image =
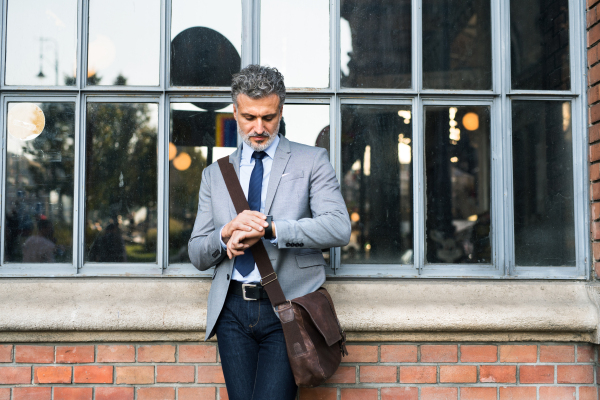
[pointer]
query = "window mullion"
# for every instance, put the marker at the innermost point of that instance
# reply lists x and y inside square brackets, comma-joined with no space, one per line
[417,45]
[80,181]
[419,188]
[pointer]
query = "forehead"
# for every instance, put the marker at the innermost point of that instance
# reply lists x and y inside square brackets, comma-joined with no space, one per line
[263,106]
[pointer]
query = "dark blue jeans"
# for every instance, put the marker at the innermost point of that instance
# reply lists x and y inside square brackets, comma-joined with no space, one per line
[253,354]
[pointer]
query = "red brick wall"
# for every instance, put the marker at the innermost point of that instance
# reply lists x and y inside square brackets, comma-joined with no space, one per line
[372,371]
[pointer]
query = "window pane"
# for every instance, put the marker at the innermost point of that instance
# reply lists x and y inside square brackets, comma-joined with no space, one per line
[457,44]
[457,169]
[120,182]
[39,182]
[543,183]
[124,42]
[539,36]
[41,44]
[375,41]
[307,124]
[295,39]
[377,183]
[206,42]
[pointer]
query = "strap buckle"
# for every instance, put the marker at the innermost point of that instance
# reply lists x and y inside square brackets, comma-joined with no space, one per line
[272,280]
[244,286]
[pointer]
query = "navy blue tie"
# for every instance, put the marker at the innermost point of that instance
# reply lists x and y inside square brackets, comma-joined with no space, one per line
[245,263]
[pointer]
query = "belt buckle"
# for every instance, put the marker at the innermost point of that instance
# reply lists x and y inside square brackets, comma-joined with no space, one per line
[244,286]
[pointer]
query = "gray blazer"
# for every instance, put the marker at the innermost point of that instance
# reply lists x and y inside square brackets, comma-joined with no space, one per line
[309,213]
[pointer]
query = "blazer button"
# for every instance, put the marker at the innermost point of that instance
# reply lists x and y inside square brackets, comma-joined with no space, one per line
[227,276]
[301,244]
[288,245]
[216,253]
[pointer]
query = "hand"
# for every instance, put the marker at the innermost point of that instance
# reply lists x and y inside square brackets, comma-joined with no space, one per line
[242,240]
[246,221]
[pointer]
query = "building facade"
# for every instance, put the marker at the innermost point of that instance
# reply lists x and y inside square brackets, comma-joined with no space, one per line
[465,136]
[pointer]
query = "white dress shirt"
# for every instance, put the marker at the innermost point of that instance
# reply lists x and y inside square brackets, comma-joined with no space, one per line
[246,167]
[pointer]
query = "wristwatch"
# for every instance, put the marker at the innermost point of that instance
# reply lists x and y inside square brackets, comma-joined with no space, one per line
[269,229]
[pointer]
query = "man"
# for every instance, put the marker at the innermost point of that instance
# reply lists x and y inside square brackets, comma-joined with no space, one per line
[296,185]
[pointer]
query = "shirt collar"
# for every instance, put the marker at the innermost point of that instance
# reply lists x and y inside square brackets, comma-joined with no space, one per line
[247,150]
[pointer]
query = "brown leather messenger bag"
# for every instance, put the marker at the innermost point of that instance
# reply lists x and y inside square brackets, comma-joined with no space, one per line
[314,338]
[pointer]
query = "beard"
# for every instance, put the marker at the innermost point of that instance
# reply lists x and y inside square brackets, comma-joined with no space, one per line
[259,147]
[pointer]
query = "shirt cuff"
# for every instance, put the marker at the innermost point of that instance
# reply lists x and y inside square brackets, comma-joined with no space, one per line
[274,241]
[223,245]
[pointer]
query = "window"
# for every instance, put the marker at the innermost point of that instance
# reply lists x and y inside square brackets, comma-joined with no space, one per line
[457,129]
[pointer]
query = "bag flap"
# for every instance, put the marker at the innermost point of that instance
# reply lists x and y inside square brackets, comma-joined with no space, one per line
[319,309]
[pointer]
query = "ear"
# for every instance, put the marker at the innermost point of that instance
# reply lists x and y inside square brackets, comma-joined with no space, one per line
[234,111]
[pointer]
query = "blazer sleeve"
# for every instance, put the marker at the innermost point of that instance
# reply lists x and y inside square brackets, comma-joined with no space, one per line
[330,223]
[204,247]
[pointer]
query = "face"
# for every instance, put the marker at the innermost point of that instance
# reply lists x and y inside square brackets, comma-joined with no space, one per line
[258,120]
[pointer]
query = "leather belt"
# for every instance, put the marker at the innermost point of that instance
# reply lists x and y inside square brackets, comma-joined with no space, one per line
[249,291]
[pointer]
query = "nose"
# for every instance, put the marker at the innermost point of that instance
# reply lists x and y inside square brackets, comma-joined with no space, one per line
[260,128]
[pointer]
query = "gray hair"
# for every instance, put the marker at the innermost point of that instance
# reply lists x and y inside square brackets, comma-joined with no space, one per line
[257,82]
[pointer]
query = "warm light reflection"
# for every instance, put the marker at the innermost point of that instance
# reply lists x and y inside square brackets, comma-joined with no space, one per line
[471,121]
[367,160]
[355,217]
[473,218]
[172,151]
[454,159]
[25,121]
[566,114]
[406,115]
[404,150]
[454,131]
[182,161]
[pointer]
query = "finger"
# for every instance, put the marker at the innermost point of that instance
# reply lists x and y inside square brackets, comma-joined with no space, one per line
[257,214]
[229,254]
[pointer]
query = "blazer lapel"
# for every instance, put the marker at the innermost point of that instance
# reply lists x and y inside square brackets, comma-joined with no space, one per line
[234,158]
[282,156]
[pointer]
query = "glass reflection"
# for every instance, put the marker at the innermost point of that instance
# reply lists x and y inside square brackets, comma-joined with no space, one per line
[307,124]
[200,133]
[375,41]
[39,183]
[124,42]
[457,169]
[543,183]
[539,37]
[41,46]
[377,183]
[457,44]
[121,182]
[298,46]
[206,42]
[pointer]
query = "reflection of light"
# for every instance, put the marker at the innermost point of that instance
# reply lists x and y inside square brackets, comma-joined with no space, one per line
[472,218]
[172,151]
[25,121]
[471,121]
[101,53]
[406,115]
[355,217]
[368,161]
[368,246]
[454,159]
[454,132]
[356,166]
[566,114]
[182,161]
[404,150]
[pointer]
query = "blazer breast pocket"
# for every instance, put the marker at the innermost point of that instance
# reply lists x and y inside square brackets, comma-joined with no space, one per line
[310,260]
[290,176]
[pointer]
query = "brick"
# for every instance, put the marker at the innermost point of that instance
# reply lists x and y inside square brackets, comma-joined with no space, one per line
[478,393]
[595,175]
[135,375]
[399,353]
[594,117]
[588,393]
[558,353]
[343,375]
[591,17]
[359,394]
[74,354]
[593,35]
[597,269]
[31,393]
[6,353]
[400,393]
[363,354]
[439,353]
[518,393]
[498,373]
[5,394]
[594,75]
[595,209]
[116,353]
[420,374]
[596,250]
[116,393]
[458,373]
[197,353]
[596,230]
[71,393]
[379,374]
[595,191]
[592,56]
[594,133]
[34,354]
[156,353]
[557,393]
[93,374]
[175,374]
[223,394]
[475,353]
[156,393]
[439,393]
[203,393]
[594,91]
[586,353]
[15,375]
[518,353]
[536,374]
[52,374]
[210,374]
[319,393]
[575,374]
